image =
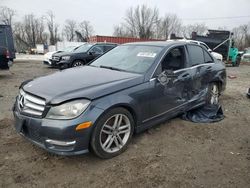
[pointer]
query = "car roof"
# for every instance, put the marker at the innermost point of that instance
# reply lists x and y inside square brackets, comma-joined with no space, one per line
[157,43]
[103,43]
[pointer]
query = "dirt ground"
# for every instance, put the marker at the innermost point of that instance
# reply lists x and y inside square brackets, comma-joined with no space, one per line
[176,153]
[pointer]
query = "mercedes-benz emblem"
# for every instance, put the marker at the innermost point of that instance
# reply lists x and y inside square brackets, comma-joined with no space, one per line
[21,101]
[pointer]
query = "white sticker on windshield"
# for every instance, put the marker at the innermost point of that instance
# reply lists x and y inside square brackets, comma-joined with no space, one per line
[146,54]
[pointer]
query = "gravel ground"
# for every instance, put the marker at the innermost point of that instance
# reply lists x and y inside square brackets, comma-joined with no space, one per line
[176,153]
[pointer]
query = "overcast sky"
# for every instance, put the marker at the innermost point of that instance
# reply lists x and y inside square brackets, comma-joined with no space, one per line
[104,14]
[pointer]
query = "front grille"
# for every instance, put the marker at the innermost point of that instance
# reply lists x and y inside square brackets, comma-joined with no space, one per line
[30,104]
[55,58]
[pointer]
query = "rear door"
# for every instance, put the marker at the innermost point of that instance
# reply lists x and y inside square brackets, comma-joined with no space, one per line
[201,64]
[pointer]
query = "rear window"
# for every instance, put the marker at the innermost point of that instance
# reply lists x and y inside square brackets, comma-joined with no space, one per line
[207,57]
[109,47]
[205,46]
[196,55]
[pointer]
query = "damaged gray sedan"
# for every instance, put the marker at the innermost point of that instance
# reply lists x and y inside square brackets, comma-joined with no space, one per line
[100,106]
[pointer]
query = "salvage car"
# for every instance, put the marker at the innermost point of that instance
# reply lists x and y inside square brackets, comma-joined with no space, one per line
[129,89]
[80,56]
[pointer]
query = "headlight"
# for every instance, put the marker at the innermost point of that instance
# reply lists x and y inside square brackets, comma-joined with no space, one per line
[68,110]
[65,57]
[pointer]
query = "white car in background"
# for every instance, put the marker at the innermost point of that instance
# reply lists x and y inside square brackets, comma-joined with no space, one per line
[246,55]
[214,54]
[48,56]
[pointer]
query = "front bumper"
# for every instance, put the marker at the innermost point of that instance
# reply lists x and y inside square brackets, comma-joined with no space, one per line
[57,136]
[60,64]
[47,62]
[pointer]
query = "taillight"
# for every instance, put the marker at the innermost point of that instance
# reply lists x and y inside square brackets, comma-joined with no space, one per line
[7,54]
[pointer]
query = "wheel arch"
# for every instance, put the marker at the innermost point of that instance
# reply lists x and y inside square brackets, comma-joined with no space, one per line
[128,107]
[219,84]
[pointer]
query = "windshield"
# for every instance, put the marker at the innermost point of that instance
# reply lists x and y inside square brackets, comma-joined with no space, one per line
[129,58]
[83,48]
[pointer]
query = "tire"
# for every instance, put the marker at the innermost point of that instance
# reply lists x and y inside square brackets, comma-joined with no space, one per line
[213,94]
[77,63]
[238,62]
[110,139]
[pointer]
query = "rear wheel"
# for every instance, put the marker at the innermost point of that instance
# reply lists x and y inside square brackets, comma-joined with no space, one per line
[213,94]
[238,62]
[112,133]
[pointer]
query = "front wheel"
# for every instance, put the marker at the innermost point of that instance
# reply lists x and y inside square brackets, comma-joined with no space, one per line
[112,133]
[213,94]
[77,63]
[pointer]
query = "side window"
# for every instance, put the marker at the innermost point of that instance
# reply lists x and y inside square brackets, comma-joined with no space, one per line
[109,47]
[97,50]
[174,60]
[207,57]
[196,55]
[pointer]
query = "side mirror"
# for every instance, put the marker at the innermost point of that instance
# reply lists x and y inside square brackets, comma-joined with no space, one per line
[91,53]
[209,50]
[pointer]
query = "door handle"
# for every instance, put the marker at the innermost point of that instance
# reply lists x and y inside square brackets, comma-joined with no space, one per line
[185,75]
[182,77]
[209,69]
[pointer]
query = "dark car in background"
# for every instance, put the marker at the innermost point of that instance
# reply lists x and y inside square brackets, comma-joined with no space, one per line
[128,89]
[48,55]
[81,55]
[7,50]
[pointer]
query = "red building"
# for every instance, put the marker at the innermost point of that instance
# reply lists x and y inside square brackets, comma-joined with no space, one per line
[118,40]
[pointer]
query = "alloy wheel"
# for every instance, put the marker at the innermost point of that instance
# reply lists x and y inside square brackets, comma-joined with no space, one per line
[115,133]
[77,64]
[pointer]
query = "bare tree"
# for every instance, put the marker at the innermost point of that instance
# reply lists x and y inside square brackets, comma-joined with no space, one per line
[242,36]
[199,28]
[141,21]
[85,31]
[169,24]
[29,32]
[19,35]
[6,15]
[121,31]
[69,29]
[52,27]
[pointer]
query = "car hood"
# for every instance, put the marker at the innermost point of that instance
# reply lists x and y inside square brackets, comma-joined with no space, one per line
[49,54]
[81,82]
[60,54]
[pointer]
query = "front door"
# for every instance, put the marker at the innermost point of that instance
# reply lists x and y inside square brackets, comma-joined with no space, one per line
[94,52]
[170,96]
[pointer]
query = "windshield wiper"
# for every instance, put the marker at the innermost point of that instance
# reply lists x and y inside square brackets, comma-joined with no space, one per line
[112,68]
[91,65]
